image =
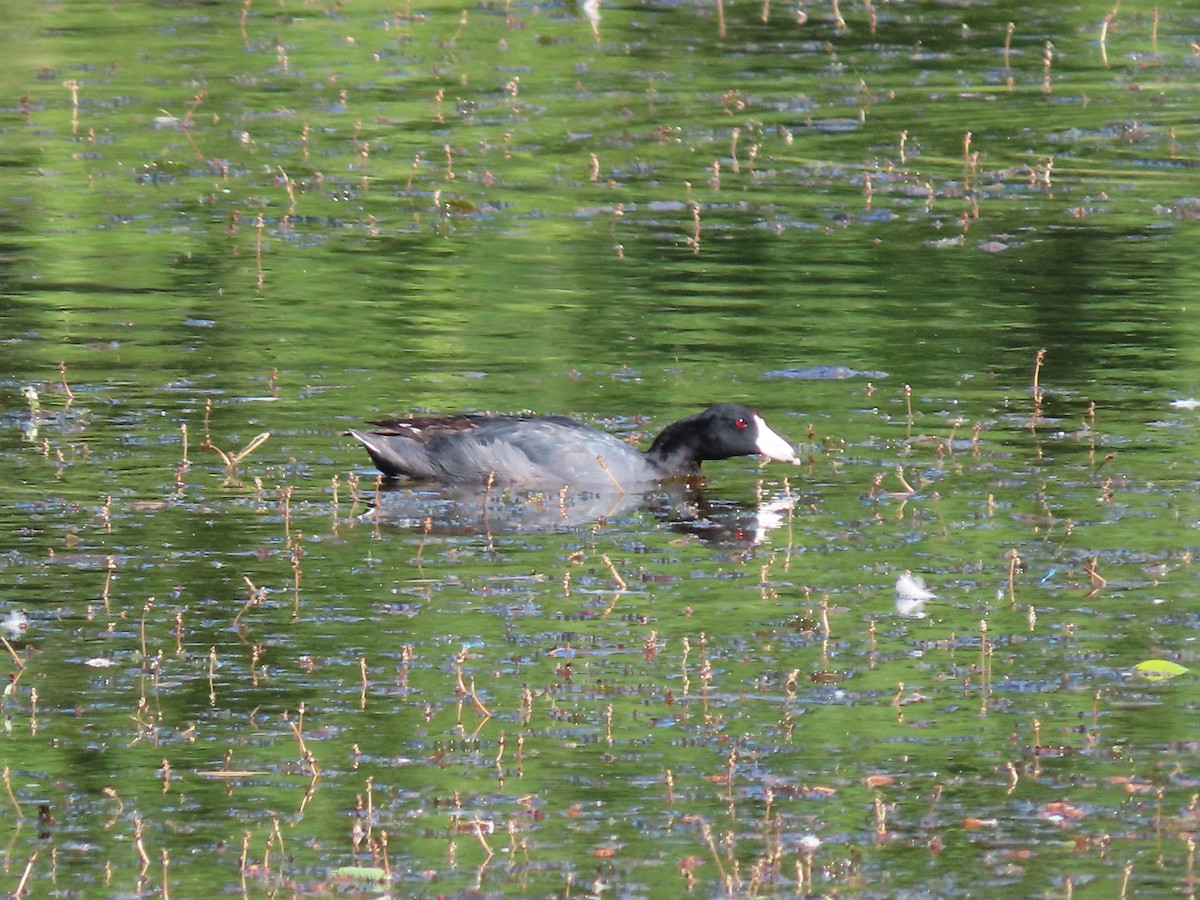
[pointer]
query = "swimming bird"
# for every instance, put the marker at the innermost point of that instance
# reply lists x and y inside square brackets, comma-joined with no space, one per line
[531,451]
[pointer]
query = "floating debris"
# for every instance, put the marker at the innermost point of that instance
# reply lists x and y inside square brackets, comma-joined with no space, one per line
[911,596]
[15,624]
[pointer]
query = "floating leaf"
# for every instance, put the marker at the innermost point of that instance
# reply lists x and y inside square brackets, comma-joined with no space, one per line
[1158,669]
[361,873]
[972,822]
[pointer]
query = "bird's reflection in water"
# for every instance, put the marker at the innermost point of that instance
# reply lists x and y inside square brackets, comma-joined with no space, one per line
[473,510]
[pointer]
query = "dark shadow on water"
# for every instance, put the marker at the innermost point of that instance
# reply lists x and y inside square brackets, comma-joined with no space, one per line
[682,508]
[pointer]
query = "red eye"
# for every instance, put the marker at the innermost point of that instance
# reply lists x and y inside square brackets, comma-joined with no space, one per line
[740,424]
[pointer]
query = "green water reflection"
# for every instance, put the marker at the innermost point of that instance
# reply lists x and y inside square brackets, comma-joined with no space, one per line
[226,219]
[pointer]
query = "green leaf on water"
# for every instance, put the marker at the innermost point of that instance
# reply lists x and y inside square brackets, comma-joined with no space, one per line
[360,873]
[1158,669]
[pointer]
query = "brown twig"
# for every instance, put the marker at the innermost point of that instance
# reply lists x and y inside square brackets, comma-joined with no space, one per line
[1038,393]
[20,889]
[62,372]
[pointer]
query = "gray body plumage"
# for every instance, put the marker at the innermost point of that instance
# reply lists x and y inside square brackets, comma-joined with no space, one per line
[551,451]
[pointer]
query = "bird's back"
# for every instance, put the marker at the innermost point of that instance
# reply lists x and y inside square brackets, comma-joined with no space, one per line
[526,451]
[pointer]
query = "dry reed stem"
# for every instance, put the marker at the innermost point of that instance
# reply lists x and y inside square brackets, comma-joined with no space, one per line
[706,830]
[16,659]
[259,226]
[297,574]
[479,705]
[985,653]
[138,829]
[290,187]
[11,796]
[242,24]
[297,726]
[166,866]
[62,372]
[149,604]
[604,466]
[184,463]
[233,460]
[879,808]
[1013,563]
[1038,393]
[1095,580]
[1109,18]
[477,827]
[212,677]
[21,885]
[179,632]
[254,597]
[612,570]
[73,86]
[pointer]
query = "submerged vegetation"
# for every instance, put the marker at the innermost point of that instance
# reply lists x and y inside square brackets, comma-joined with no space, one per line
[946,250]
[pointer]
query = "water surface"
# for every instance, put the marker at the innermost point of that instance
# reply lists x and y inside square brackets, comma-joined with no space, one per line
[246,679]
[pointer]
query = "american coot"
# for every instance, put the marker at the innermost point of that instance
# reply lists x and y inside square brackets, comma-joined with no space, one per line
[552,451]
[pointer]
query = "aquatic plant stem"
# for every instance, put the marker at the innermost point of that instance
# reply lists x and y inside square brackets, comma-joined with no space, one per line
[8,786]
[1014,562]
[212,677]
[259,226]
[62,372]
[1038,393]
[297,574]
[297,726]
[242,24]
[72,85]
[19,892]
[1109,18]
[16,659]
[612,570]
[255,596]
